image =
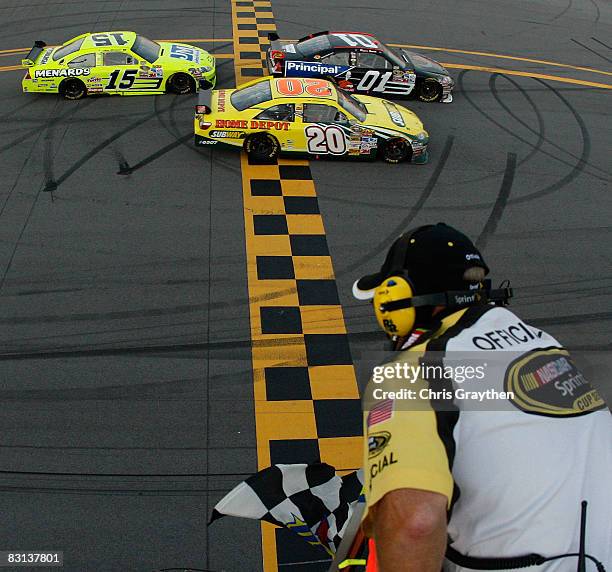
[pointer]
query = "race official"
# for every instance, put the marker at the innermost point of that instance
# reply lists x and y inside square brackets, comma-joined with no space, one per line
[519,478]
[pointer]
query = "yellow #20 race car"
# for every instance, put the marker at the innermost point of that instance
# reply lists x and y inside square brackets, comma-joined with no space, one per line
[270,116]
[117,62]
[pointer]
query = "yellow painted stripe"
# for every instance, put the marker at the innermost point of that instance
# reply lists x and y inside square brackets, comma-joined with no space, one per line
[199,40]
[529,74]
[502,56]
[412,46]
[569,80]
[195,40]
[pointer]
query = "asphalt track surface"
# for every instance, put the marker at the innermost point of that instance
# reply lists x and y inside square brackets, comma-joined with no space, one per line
[125,375]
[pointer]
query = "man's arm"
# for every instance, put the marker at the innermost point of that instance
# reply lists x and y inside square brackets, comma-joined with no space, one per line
[409,529]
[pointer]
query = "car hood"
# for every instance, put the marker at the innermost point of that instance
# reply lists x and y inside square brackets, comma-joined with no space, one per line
[383,113]
[423,64]
[176,57]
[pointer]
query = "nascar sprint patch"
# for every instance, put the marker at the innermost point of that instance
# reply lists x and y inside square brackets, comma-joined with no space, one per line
[546,382]
[377,443]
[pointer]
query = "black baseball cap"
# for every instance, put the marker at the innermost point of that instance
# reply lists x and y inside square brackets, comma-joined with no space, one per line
[435,257]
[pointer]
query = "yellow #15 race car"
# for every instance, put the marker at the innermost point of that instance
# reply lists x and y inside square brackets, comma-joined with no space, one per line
[310,116]
[122,63]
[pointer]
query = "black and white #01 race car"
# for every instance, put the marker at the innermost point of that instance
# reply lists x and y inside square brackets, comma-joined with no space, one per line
[359,63]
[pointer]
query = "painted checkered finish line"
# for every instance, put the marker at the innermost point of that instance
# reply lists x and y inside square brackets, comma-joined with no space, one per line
[306,397]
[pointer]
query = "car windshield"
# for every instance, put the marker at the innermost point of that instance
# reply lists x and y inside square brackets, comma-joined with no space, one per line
[68,49]
[146,49]
[352,105]
[253,95]
[312,46]
[392,55]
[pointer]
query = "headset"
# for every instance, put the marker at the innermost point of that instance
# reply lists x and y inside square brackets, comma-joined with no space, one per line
[395,303]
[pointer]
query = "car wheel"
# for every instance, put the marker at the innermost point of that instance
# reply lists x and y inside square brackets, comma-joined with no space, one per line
[396,151]
[430,90]
[262,148]
[73,89]
[181,83]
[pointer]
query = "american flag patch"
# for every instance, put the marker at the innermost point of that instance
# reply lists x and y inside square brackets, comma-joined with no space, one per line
[382,411]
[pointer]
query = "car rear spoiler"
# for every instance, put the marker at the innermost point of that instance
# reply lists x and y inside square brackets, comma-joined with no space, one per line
[275,43]
[204,101]
[36,50]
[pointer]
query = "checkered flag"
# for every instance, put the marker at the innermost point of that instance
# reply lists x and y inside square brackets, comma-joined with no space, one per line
[310,500]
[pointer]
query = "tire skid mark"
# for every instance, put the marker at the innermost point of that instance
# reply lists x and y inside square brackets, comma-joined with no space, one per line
[500,203]
[564,11]
[37,130]
[600,42]
[518,119]
[157,351]
[414,211]
[19,108]
[98,148]
[48,157]
[128,170]
[48,161]
[578,168]
[591,50]
[598,12]
[517,136]
[95,316]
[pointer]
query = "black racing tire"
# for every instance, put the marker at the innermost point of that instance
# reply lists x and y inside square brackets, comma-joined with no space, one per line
[429,90]
[262,148]
[181,84]
[73,89]
[396,151]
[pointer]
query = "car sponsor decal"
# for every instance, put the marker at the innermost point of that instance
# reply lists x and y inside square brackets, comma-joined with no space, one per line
[546,382]
[221,98]
[72,72]
[394,114]
[226,134]
[361,142]
[185,53]
[253,124]
[45,57]
[403,76]
[150,71]
[313,69]
[289,48]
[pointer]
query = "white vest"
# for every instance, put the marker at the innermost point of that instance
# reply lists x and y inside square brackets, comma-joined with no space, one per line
[522,474]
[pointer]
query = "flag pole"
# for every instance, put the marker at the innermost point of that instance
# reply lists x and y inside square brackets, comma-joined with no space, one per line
[351,535]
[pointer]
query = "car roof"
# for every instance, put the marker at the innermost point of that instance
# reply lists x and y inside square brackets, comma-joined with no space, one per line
[277,94]
[337,41]
[88,43]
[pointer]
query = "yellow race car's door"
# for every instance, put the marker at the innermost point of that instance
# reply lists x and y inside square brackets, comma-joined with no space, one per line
[325,128]
[280,120]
